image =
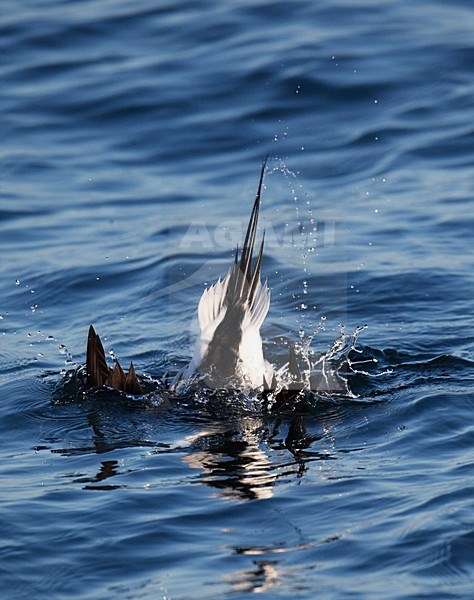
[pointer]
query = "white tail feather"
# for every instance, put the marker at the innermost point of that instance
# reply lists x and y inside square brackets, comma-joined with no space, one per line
[260,305]
[212,302]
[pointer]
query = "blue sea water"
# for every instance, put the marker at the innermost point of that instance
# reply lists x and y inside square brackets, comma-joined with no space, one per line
[132,138]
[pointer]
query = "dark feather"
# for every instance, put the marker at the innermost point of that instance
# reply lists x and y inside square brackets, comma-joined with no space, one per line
[99,373]
[132,385]
[117,378]
[96,365]
[244,279]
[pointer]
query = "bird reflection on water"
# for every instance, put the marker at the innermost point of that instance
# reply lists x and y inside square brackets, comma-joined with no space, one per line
[246,458]
[232,463]
[242,456]
[263,578]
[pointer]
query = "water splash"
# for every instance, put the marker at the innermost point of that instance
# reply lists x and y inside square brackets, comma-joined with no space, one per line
[65,352]
[304,240]
[329,373]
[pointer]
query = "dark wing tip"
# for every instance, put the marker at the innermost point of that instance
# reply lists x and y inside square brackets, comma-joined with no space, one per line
[96,365]
[98,373]
[116,379]
[132,385]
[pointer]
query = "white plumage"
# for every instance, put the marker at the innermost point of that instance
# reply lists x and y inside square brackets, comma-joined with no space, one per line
[229,350]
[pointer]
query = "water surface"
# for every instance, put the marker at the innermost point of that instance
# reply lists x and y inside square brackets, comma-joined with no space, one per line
[132,137]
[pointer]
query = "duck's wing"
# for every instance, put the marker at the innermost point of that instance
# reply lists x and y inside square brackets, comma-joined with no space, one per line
[132,385]
[99,373]
[97,370]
